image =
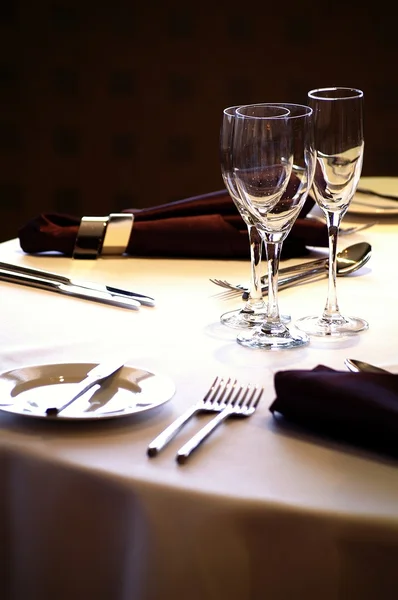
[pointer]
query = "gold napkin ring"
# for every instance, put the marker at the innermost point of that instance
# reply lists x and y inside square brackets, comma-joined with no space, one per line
[89,237]
[117,233]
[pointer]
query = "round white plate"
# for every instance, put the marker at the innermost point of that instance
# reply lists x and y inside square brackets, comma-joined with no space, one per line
[367,204]
[28,391]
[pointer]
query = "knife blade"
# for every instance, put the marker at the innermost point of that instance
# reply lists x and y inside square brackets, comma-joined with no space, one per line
[360,366]
[56,277]
[69,289]
[97,376]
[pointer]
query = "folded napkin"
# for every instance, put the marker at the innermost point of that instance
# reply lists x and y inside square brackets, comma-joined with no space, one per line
[359,408]
[206,226]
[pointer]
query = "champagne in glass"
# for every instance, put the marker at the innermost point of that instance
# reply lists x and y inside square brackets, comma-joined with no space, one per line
[339,145]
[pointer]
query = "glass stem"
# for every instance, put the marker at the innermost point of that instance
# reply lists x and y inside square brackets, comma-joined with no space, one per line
[273,250]
[255,295]
[333,223]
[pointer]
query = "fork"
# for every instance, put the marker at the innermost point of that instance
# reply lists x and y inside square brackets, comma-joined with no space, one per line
[290,279]
[304,267]
[214,401]
[241,402]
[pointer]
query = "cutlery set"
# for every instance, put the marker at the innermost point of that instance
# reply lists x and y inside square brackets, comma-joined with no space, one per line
[227,398]
[349,260]
[88,290]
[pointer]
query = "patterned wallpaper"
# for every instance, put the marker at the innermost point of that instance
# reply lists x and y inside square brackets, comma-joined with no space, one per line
[109,105]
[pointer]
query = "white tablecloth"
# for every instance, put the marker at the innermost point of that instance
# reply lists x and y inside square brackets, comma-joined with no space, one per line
[258,512]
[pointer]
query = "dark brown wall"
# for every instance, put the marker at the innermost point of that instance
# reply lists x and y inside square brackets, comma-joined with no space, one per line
[113,104]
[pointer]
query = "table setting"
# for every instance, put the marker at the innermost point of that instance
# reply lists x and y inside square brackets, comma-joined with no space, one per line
[182,419]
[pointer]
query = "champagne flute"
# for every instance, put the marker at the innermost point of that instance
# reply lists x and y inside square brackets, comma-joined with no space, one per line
[274,163]
[252,313]
[339,145]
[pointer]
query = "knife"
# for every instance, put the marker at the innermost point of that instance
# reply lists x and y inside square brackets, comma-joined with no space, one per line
[97,376]
[69,289]
[360,366]
[147,300]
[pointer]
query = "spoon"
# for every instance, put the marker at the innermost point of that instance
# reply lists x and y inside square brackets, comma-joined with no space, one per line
[353,257]
[348,260]
[359,366]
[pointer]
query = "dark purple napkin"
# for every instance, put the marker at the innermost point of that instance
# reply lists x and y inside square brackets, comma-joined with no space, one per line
[358,408]
[206,226]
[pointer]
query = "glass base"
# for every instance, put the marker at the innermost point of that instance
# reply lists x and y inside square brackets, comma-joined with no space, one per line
[275,336]
[243,319]
[337,326]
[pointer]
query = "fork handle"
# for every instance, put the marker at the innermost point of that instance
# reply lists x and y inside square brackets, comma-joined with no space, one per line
[163,438]
[186,450]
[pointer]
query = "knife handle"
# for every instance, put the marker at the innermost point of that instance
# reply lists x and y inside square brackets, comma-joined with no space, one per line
[33,281]
[87,384]
[295,278]
[51,279]
[53,411]
[45,275]
[68,289]
[299,268]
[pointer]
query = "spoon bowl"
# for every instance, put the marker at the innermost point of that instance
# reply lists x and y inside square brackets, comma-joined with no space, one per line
[353,258]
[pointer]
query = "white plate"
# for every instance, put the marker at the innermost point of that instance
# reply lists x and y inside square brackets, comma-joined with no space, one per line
[30,390]
[366,204]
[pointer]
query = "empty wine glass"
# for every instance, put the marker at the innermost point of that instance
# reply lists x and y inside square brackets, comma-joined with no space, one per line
[339,145]
[252,313]
[274,162]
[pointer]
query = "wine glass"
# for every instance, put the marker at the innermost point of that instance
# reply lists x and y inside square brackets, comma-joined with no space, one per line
[339,145]
[274,163]
[252,313]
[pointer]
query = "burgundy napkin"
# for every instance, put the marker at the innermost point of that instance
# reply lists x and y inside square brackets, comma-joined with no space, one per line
[206,226]
[358,408]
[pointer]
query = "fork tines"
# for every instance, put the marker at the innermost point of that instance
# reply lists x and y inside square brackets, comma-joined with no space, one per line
[224,396]
[221,385]
[241,401]
[253,400]
[218,390]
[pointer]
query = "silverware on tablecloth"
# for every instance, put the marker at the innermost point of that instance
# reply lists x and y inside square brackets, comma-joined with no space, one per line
[358,366]
[68,289]
[97,376]
[215,400]
[91,285]
[300,268]
[242,401]
[349,260]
